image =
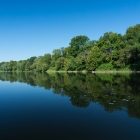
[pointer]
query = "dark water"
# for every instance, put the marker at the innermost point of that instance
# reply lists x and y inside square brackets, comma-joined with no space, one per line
[69,106]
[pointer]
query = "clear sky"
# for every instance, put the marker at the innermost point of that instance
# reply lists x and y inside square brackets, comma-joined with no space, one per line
[36,27]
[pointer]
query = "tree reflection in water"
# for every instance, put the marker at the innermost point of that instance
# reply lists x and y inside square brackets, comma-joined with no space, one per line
[112,91]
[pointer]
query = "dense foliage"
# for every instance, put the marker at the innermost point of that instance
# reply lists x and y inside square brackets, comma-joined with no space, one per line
[111,52]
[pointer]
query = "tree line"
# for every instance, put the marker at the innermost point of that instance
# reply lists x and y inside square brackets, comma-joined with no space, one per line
[112,51]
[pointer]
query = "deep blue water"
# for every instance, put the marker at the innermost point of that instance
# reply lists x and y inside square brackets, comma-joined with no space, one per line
[63,110]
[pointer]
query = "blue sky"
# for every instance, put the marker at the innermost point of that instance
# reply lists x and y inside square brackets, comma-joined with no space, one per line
[36,27]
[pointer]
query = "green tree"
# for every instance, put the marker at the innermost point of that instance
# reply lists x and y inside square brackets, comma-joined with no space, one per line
[39,64]
[59,63]
[80,60]
[56,54]
[79,41]
[70,64]
[21,65]
[4,66]
[12,65]
[27,66]
[94,59]
[76,43]
[47,58]
[132,35]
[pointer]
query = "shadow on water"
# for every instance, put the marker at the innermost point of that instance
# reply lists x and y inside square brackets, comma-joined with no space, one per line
[112,91]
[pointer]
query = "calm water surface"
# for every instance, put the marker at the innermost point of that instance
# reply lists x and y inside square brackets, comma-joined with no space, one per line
[69,106]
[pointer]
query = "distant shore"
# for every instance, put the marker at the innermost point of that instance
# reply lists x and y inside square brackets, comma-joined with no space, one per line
[84,71]
[103,71]
[115,71]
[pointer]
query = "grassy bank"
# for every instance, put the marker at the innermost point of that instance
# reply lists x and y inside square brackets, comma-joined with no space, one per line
[115,71]
[84,71]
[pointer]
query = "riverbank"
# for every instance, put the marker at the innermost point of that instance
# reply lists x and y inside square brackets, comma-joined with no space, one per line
[84,71]
[103,71]
[114,71]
